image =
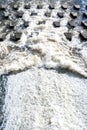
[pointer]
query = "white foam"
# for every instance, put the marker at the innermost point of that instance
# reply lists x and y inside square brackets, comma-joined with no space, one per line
[44,42]
[43,99]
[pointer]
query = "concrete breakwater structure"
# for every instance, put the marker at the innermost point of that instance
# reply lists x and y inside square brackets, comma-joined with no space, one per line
[43,55]
[32,32]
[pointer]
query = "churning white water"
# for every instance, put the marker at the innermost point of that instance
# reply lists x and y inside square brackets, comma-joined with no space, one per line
[43,45]
[50,94]
[40,99]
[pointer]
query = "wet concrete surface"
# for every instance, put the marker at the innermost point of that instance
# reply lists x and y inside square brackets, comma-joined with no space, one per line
[6,16]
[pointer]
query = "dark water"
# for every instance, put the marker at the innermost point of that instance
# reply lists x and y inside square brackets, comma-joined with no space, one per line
[3,80]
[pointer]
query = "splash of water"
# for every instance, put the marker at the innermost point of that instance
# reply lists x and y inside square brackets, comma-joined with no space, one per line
[40,99]
[43,45]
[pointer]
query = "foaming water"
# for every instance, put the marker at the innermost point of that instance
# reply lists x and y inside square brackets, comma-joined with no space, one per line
[40,99]
[47,96]
[43,45]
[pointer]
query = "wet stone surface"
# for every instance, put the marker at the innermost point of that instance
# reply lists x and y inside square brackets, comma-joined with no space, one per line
[56,24]
[72,23]
[39,6]
[76,7]
[26,24]
[15,36]
[74,14]
[64,6]
[83,35]
[68,36]
[11,25]
[85,14]
[3,7]
[48,14]
[2,37]
[34,13]
[86,7]
[15,6]
[84,23]
[6,15]
[60,14]
[19,14]
[41,22]
[27,6]
[51,6]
